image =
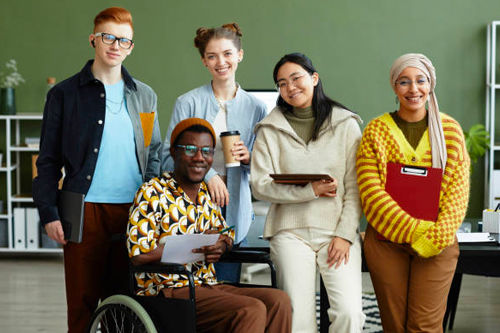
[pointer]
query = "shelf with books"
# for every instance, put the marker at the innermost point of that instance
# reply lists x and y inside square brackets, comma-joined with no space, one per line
[37,250]
[492,158]
[18,204]
[24,148]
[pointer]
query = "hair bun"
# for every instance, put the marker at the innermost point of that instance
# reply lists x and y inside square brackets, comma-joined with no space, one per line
[200,36]
[201,31]
[233,27]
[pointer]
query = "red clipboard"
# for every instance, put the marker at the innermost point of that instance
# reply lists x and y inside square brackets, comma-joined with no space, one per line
[415,189]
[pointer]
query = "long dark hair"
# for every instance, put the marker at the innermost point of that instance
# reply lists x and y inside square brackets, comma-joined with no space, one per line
[321,104]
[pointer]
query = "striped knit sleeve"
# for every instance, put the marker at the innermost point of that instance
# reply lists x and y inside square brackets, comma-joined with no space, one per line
[454,194]
[382,212]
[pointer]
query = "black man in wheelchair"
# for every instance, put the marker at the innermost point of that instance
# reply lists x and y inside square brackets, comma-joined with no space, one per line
[179,203]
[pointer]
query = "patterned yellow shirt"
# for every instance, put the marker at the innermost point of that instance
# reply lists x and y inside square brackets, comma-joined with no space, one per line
[384,142]
[161,209]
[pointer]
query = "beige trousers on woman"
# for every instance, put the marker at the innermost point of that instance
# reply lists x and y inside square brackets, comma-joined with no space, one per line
[298,254]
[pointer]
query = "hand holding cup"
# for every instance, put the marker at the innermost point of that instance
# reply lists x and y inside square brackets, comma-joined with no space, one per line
[229,139]
[240,152]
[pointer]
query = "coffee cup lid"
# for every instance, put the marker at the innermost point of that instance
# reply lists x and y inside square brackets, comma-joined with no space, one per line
[228,133]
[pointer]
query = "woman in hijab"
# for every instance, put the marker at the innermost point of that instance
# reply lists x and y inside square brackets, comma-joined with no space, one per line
[411,256]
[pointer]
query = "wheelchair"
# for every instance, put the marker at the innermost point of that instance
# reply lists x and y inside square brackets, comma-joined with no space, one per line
[153,314]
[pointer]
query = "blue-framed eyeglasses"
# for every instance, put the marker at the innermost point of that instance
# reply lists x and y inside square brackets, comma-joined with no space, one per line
[191,150]
[109,39]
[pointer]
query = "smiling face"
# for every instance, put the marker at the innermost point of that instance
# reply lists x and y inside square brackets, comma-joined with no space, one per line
[412,88]
[221,58]
[296,85]
[190,170]
[111,55]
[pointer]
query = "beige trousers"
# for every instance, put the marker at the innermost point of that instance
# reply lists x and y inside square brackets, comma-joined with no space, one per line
[298,254]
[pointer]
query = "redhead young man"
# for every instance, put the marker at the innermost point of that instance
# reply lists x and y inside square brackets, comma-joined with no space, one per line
[101,125]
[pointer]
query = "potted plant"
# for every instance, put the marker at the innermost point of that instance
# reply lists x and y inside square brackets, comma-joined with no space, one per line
[477,141]
[9,79]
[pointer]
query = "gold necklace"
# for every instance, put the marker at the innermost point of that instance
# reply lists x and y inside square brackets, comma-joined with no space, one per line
[221,102]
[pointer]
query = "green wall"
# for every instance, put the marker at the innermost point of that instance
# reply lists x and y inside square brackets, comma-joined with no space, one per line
[352,43]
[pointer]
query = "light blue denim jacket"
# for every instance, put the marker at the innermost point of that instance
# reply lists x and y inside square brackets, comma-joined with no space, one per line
[243,113]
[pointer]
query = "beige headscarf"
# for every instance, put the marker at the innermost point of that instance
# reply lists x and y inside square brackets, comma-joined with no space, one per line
[436,134]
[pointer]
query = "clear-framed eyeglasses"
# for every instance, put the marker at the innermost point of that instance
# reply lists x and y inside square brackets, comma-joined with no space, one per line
[406,83]
[109,39]
[294,80]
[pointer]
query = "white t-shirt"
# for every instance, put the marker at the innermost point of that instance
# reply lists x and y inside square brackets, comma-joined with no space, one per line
[220,125]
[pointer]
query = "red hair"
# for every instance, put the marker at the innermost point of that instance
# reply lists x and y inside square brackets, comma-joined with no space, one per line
[114,14]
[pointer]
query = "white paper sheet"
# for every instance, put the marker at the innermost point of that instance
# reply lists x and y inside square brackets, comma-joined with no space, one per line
[178,248]
[474,237]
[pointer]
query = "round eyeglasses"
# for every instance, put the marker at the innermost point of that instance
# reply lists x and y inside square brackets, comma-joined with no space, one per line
[295,79]
[109,39]
[406,83]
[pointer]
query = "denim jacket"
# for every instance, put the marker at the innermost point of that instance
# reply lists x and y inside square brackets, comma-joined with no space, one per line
[244,111]
[72,128]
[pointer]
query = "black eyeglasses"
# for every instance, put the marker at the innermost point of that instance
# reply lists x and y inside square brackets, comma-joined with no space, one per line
[191,150]
[109,39]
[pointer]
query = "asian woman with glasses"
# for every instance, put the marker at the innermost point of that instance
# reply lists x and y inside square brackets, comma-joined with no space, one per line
[315,226]
[412,254]
[228,108]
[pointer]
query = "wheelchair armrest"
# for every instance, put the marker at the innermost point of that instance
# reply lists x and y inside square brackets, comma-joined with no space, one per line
[241,255]
[253,256]
[161,268]
[165,268]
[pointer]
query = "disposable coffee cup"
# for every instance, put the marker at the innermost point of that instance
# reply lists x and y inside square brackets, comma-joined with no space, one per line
[228,139]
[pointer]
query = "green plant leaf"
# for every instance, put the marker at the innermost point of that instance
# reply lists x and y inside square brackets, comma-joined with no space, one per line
[477,141]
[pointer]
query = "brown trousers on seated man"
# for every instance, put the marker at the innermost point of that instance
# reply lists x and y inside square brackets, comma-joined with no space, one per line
[224,308]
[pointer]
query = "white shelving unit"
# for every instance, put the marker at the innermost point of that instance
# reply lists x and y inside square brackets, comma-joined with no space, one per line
[11,167]
[492,168]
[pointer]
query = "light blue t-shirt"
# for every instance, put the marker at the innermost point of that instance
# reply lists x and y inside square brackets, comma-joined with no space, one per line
[117,176]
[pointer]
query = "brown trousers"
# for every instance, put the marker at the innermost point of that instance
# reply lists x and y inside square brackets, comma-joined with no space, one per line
[225,308]
[411,291]
[97,267]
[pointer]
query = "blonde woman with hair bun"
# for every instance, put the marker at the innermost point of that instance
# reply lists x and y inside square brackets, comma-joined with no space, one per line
[227,107]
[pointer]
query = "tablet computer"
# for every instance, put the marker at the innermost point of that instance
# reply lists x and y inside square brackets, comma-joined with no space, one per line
[298,178]
[71,208]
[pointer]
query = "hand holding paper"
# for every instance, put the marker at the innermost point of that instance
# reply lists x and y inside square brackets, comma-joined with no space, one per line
[213,252]
[179,248]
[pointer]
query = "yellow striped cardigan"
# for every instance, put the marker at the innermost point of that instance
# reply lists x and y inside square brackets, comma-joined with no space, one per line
[384,142]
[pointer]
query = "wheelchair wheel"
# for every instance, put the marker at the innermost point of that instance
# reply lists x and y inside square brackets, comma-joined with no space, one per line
[121,314]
